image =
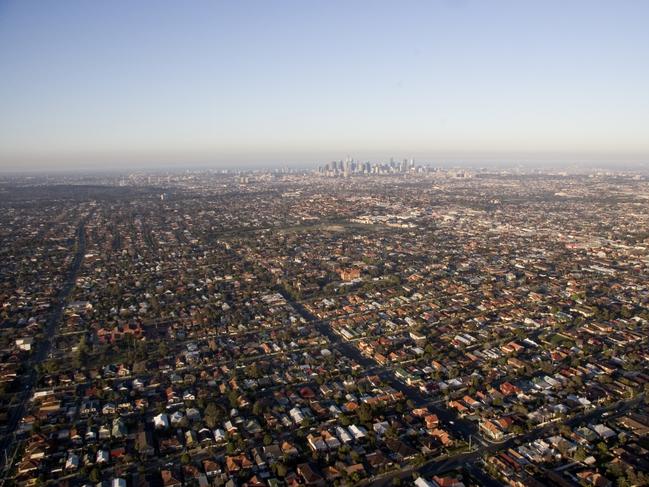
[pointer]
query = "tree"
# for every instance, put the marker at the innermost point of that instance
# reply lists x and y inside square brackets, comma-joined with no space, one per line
[622,482]
[355,456]
[212,410]
[163,349]
[82,356]
[580,454]
[601,446]
[365,413]
[139,367]
[257,408]
[280,469]
[95,475]
[233,397]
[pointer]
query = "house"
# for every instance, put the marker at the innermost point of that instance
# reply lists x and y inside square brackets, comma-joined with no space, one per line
[316,443]
[332,442]
[25,343]
[191,440]
[343,435]
[594,478]
[472,403]
[255,481]
[168,445]
[104,432]
[193,414]
[432,421]
[259,460]
[27,467]
[422,482]
[272,452]
[119,428]
[349,274]
[219,436]
[236,463]
[603,431]
[117,453]
[358,432]
[72,461]
[447,482]
[102,456]
[400,449]
[205,436]
[168,479]
[296,415]
[310,475]
[490,429]
[211,468]
[331,474]
[161,421]
[176,418]
[356,469]
[191,472]
[377,460]
[461,408]
[230,428]
[442,436]
[289,450]
[509,389]
[380,428]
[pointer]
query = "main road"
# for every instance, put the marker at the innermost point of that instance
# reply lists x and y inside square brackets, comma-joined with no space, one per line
[461,428]
[42,349]
[468,460]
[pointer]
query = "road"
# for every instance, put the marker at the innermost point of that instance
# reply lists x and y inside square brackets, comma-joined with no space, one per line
[42,349]
[461,428]
[468,460]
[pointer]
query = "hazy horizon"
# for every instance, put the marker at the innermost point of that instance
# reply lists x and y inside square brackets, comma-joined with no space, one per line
[93,85]
[574,165]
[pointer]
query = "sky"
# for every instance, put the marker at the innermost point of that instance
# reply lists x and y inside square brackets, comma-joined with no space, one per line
[87,84]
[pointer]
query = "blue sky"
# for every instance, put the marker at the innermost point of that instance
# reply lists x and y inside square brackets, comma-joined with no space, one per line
[87,83]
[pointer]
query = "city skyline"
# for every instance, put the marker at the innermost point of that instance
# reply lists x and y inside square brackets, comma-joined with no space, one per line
[87,86]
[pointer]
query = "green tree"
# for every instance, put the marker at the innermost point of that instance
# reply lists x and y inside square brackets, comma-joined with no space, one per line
[281,470]
[95,475]
[257,408]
